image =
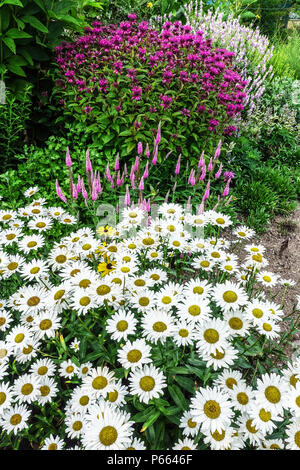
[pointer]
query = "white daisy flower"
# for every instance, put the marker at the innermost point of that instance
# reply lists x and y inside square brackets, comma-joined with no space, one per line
[48,389]
[6,396]
[190,427]
[184,333]
[194,308]
[185,444]
[212,408]
[229,296]
[293,434]
[135,354]
[14,419]
[212,335]
[108,430]
[146,382]
[100,381]
[121,325]
[53,443]
[158,325]
[271,393]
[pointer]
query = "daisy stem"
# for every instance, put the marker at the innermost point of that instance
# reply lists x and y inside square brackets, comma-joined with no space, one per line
[283,296]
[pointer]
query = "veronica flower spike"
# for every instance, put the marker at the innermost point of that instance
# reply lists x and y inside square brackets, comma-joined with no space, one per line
[68,158]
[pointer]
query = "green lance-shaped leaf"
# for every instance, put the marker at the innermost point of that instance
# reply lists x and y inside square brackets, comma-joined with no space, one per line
[35,23]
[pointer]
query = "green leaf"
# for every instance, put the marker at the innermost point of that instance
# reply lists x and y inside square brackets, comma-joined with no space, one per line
[186,383]
[17,60]
[5,17]
[17,3]
[143,415]
[16,69]
[150,421]
[35,23]
[14,33]
[10,43]
[177,396]
[26,55]
[40,3]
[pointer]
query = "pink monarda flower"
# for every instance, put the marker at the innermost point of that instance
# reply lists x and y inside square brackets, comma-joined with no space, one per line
[88,164]
[68,158]
[177,169]
[59,192]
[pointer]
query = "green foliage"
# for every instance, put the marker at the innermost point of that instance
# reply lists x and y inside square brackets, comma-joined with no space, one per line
[286,56]
[266,192]
[30,29]
[14,115]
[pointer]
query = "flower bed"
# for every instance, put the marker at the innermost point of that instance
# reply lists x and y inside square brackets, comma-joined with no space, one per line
[146,335]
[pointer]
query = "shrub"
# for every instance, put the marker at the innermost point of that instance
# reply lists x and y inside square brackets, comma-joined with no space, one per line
[121,81]
[14,117]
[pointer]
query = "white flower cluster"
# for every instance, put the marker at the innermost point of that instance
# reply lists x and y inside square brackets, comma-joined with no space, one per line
[125,281]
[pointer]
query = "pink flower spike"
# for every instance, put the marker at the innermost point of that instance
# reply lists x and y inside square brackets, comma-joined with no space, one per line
[127,196]
[218,150]
[174,187]
[226,190]
[141,185]
[94,193]
[201,208]
[140,148]
[117,163]
[188,204]
[206,194]
[146,172]
[78,186]
[203,174]
[108,175]
[88,164]
[132,178]
[147,151]
[136,164]
[125,170]
[177,169]
[228,201]
[167,196]
[218,174]
[74,191]
[68,158]
[201,161]
[59,192]
[210,165]
[158,135]
[119,181]
[154,160]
